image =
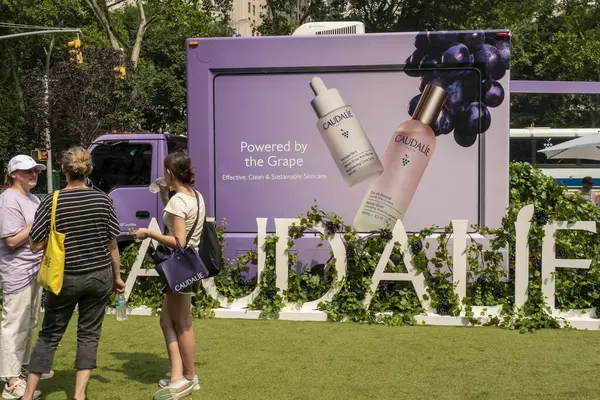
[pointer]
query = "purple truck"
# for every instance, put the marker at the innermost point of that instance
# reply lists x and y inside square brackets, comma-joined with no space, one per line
[257,139]
[124,167]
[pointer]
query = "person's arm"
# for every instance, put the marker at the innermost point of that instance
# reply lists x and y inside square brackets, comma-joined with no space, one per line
[179,232]
[164,195]
[115,260]
[38,236]
[36,247]
[18,240]
[176,208]
[14,230]
[113,230]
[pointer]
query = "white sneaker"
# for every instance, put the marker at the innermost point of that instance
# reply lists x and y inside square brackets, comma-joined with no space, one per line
[175,391]
[17,390]
[163,383]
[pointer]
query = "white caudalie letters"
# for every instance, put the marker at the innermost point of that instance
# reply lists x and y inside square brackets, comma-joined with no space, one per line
[459,266]
[399,235]
[344,136]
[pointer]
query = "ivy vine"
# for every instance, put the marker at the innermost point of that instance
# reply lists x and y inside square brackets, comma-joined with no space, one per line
[396,302]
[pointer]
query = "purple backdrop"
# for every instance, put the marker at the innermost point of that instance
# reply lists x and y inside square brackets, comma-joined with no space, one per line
[229,105]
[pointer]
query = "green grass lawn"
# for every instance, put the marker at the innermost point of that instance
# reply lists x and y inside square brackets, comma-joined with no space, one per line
[240,359]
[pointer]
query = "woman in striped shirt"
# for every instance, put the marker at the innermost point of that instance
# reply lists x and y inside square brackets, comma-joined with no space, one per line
[92,270]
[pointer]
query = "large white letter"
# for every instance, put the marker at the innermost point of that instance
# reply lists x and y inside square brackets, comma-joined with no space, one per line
[522,226]
[282,231]
[413,275]
[136,268]
[549,261]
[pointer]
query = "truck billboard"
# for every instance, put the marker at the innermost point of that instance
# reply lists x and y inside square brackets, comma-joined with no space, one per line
[261,148]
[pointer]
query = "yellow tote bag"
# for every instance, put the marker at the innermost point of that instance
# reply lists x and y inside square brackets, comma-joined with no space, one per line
[52,270]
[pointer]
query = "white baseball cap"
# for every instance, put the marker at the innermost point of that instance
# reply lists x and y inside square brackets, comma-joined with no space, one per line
[23,163]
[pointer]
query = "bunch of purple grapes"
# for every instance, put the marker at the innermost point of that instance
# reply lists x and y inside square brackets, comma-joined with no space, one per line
[468,65]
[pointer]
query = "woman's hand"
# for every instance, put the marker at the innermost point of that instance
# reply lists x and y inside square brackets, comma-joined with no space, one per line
[164,190]
[142,233]
[164,195]
[119,285]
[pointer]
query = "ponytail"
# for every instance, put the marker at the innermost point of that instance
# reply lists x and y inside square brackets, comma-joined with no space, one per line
[8,181]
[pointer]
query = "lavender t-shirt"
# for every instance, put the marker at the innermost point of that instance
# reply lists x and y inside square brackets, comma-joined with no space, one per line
[19,267]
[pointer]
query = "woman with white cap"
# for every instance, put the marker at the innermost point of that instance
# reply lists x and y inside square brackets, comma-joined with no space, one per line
[18,272]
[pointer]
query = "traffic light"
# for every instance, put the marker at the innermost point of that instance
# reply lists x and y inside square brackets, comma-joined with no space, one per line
[120,72]
[39,155]
[75,52]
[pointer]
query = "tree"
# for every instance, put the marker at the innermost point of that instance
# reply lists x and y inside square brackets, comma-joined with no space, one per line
[551,40]
[161,73]
[86,101]
[19,55]
[561,43]
[117,40]
[161,64]
[377,15]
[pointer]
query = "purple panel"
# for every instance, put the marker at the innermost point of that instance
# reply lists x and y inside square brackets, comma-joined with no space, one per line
[230,102]
[555,87]
[379,110]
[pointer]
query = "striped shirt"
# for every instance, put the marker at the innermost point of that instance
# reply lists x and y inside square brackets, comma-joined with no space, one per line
[88,220]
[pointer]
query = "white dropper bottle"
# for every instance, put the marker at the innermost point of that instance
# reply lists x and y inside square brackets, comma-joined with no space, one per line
[344,136]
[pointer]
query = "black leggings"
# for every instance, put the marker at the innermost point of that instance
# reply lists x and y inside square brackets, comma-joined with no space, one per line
[90,292]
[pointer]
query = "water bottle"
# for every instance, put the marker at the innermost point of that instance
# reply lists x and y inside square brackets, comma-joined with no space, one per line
[120,306]
[155,186]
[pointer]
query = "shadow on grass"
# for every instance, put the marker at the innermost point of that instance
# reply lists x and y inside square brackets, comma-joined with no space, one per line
[64,382]
[145,368]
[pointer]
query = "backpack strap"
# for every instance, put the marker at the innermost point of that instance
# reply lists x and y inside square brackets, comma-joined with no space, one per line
[189,235]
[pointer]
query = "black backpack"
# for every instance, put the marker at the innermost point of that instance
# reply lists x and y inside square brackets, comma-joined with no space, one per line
[210,248]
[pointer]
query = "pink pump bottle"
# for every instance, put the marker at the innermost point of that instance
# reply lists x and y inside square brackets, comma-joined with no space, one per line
[404,163]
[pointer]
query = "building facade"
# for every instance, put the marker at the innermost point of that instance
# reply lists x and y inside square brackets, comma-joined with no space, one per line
[245,16]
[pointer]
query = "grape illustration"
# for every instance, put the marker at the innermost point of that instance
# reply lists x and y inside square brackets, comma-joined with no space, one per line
[457,54]
[473,40]
[494,95]
[489,56]
[504,50]
[442,40]
[430,61]
[464,138]
[413,104]
[475,118]
[468,65]
[443,125]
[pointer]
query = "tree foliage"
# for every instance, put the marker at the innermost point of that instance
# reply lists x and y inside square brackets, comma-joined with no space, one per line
[162,69]
[85,101]
[551,40]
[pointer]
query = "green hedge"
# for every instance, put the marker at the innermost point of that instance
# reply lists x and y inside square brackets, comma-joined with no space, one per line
[575,289]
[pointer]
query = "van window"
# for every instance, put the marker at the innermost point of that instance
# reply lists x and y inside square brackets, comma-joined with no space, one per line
[121,164]
[176,144]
